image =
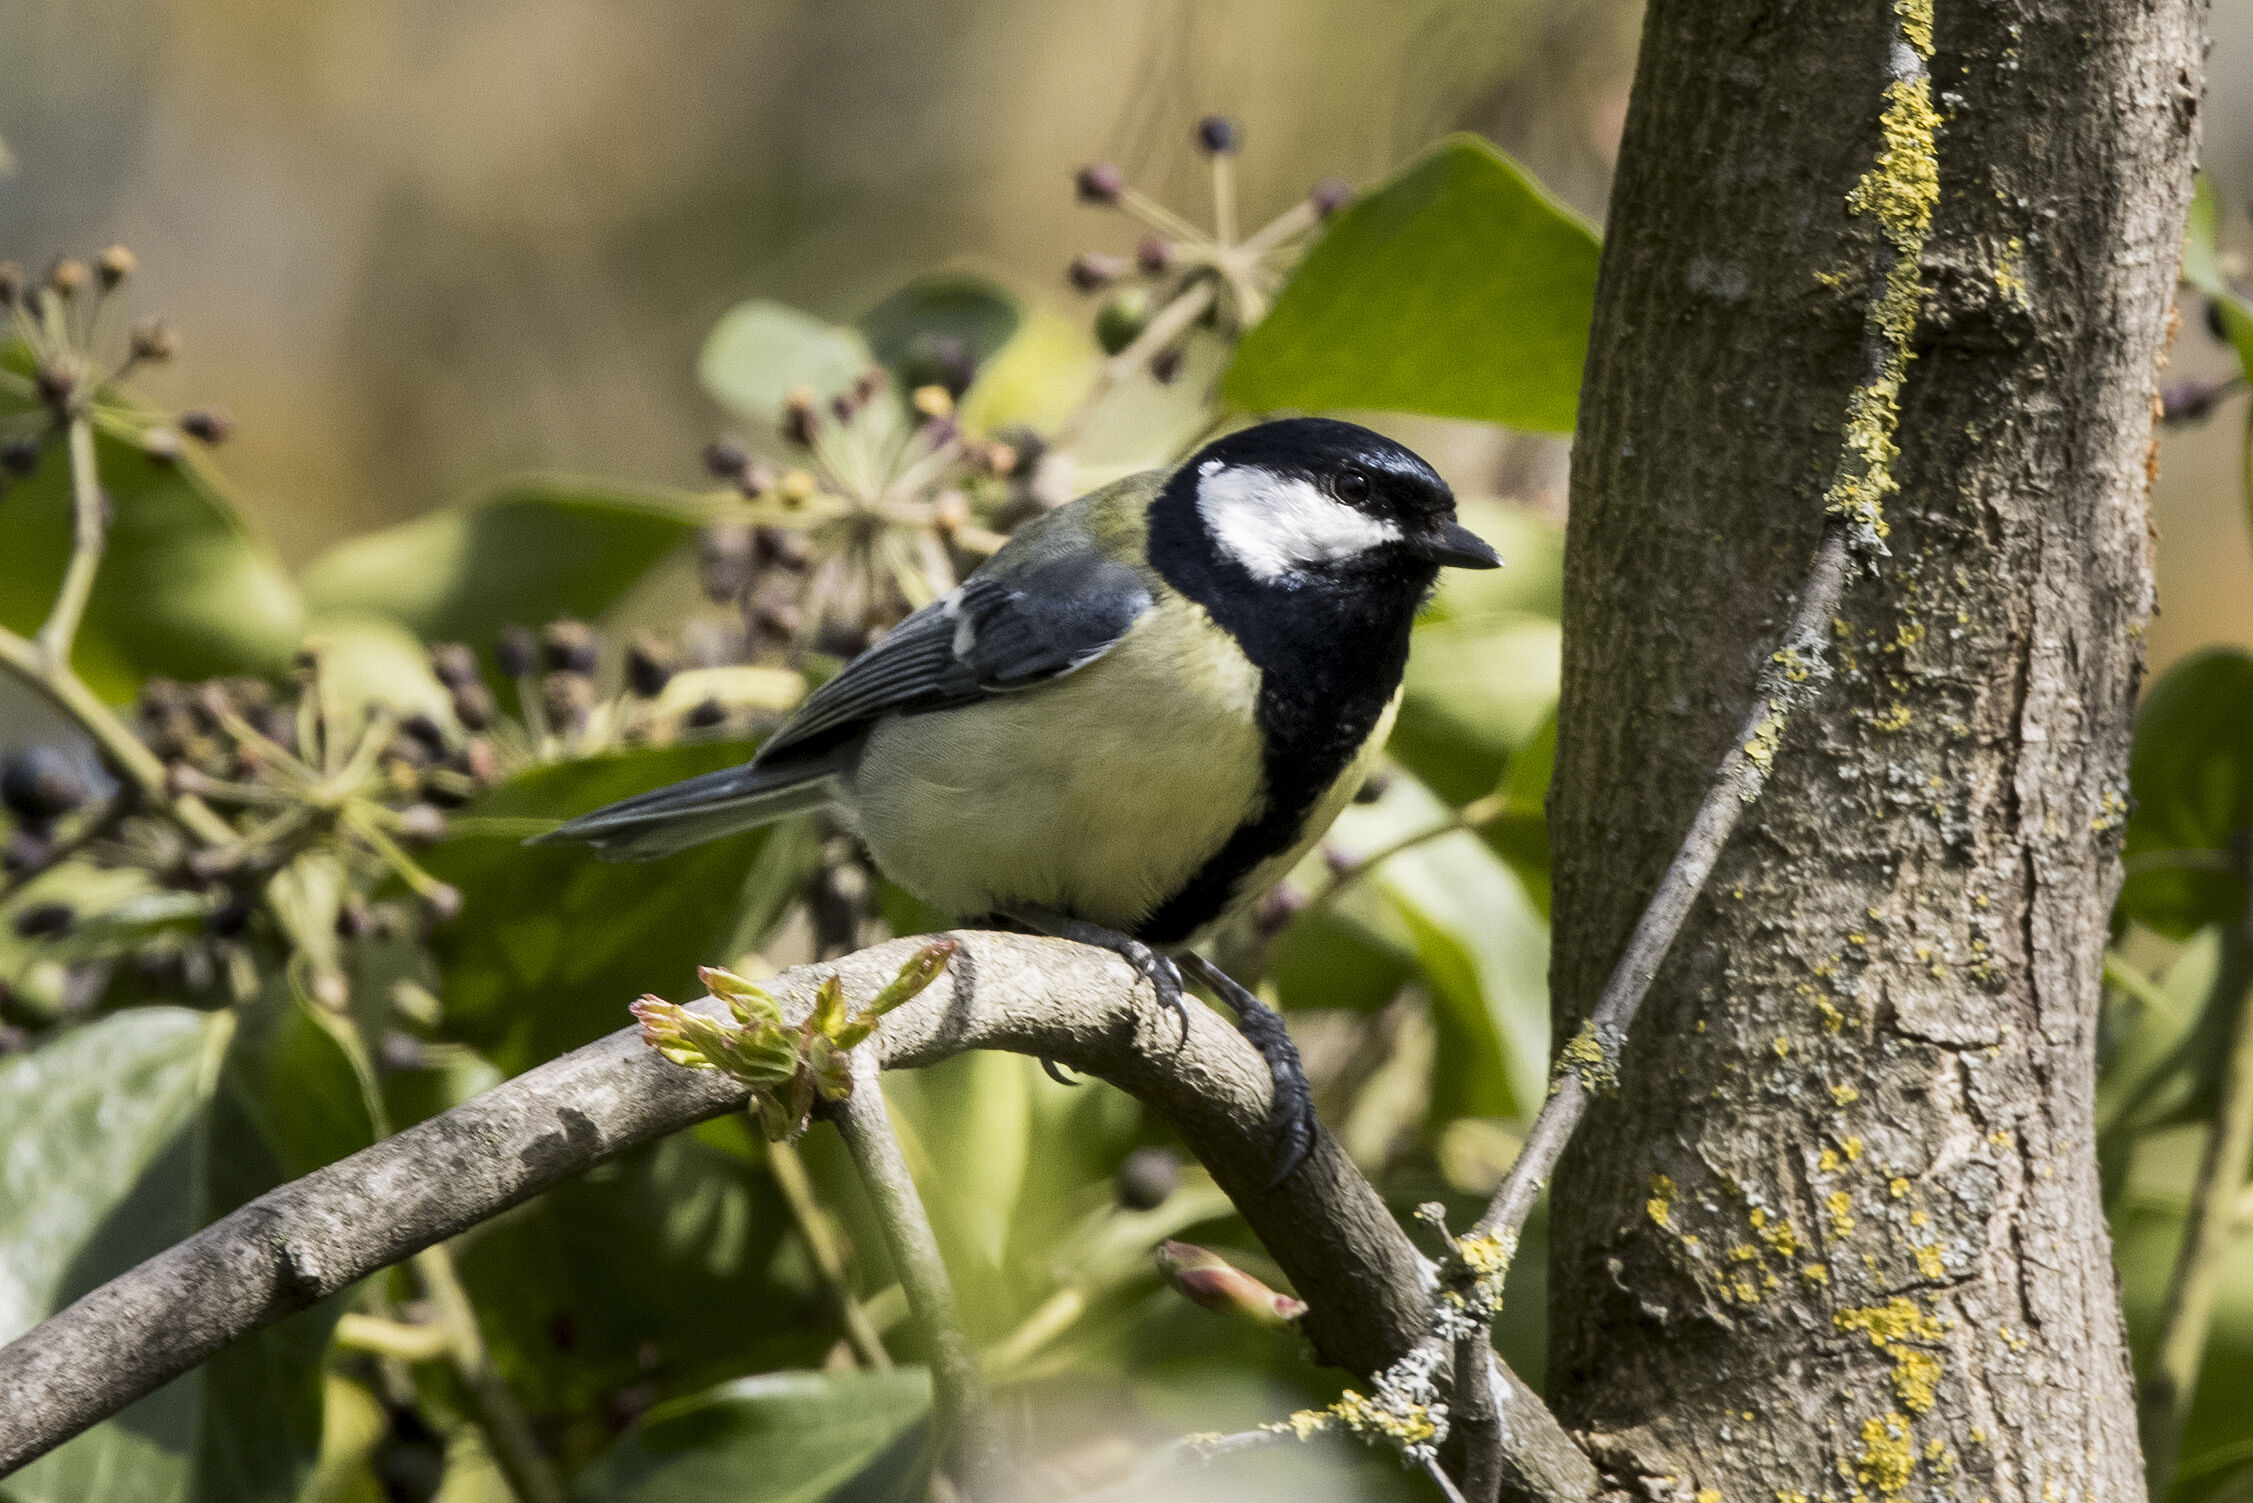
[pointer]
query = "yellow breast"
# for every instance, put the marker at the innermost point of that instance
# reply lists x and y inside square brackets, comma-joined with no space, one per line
[1099,794]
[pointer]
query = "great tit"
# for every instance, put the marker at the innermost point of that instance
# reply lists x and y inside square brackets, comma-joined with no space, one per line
[1137,716]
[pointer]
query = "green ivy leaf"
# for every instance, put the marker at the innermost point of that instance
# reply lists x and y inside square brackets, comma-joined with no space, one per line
[529,551]
[124,1136]
[760,350]
[185,589]
[2192,776]
[1478,942]
[553,942]
[1459,289]
[778,1438]
[909,331]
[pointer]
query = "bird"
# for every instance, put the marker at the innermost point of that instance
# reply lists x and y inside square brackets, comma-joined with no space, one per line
[1133,719]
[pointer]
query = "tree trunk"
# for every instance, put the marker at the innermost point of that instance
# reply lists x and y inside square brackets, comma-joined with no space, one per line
[1838,1234]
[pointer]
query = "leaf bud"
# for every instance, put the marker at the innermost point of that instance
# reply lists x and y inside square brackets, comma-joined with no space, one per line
[568,646]
[798,418]
[1211,1281]
[782,548]
[115,265]
[1100,183]
[1154,255]
[1330,195]
[1001,458]
[755,481]
[796,487]
[422,823]
[153,343]
[725,458]
[705,714]
[933,401]
[11,283]
[1092,271]
[20,456]
[649,665]
[475,707]
[453,664]
[1166,365]
[724,558]
[68,277]
[950,511]
[518,651]
[164,445]
[443,902]
[210,427]
[1217,135]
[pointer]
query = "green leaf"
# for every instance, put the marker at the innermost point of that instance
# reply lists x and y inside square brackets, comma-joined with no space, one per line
[910,330]
[529,551]
[1521,835]
[1479,944]
[124,1136]
[2191,773]
[760,350]
[553,942]
[674,1266]
[184,589]
[777,1438]
[2202,269]
[1459,289]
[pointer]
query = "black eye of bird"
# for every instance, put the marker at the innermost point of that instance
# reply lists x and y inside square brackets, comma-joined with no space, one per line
[1352,486]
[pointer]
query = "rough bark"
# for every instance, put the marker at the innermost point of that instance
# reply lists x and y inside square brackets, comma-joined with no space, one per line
[1838,1232]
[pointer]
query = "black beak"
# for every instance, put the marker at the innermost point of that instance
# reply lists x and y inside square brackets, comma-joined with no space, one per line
[1456,547]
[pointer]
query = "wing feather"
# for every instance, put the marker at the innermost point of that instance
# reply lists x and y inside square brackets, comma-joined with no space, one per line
[993,635]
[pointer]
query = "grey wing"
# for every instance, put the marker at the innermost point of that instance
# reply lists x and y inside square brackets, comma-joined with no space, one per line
[992,635]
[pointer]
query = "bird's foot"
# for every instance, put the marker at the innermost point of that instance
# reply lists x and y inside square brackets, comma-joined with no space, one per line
[1292,1113]
[1162,974]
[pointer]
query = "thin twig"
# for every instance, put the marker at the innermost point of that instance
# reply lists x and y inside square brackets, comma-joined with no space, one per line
[1442,1481]
[1736,784]
[2208,1228]
[87,529]
[962,1415]
[820,1237]
[524,1467]
[1473,816]
[508,1435]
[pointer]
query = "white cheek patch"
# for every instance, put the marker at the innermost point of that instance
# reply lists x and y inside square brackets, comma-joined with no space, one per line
[1276,526]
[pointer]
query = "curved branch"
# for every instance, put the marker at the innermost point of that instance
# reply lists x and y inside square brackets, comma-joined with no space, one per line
[1364,1282]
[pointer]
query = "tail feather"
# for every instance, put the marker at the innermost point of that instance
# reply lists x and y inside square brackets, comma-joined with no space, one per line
[669,819]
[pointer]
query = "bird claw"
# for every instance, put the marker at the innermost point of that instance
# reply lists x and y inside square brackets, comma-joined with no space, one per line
[1292,1113]
[1162,974]
[1055,1072]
